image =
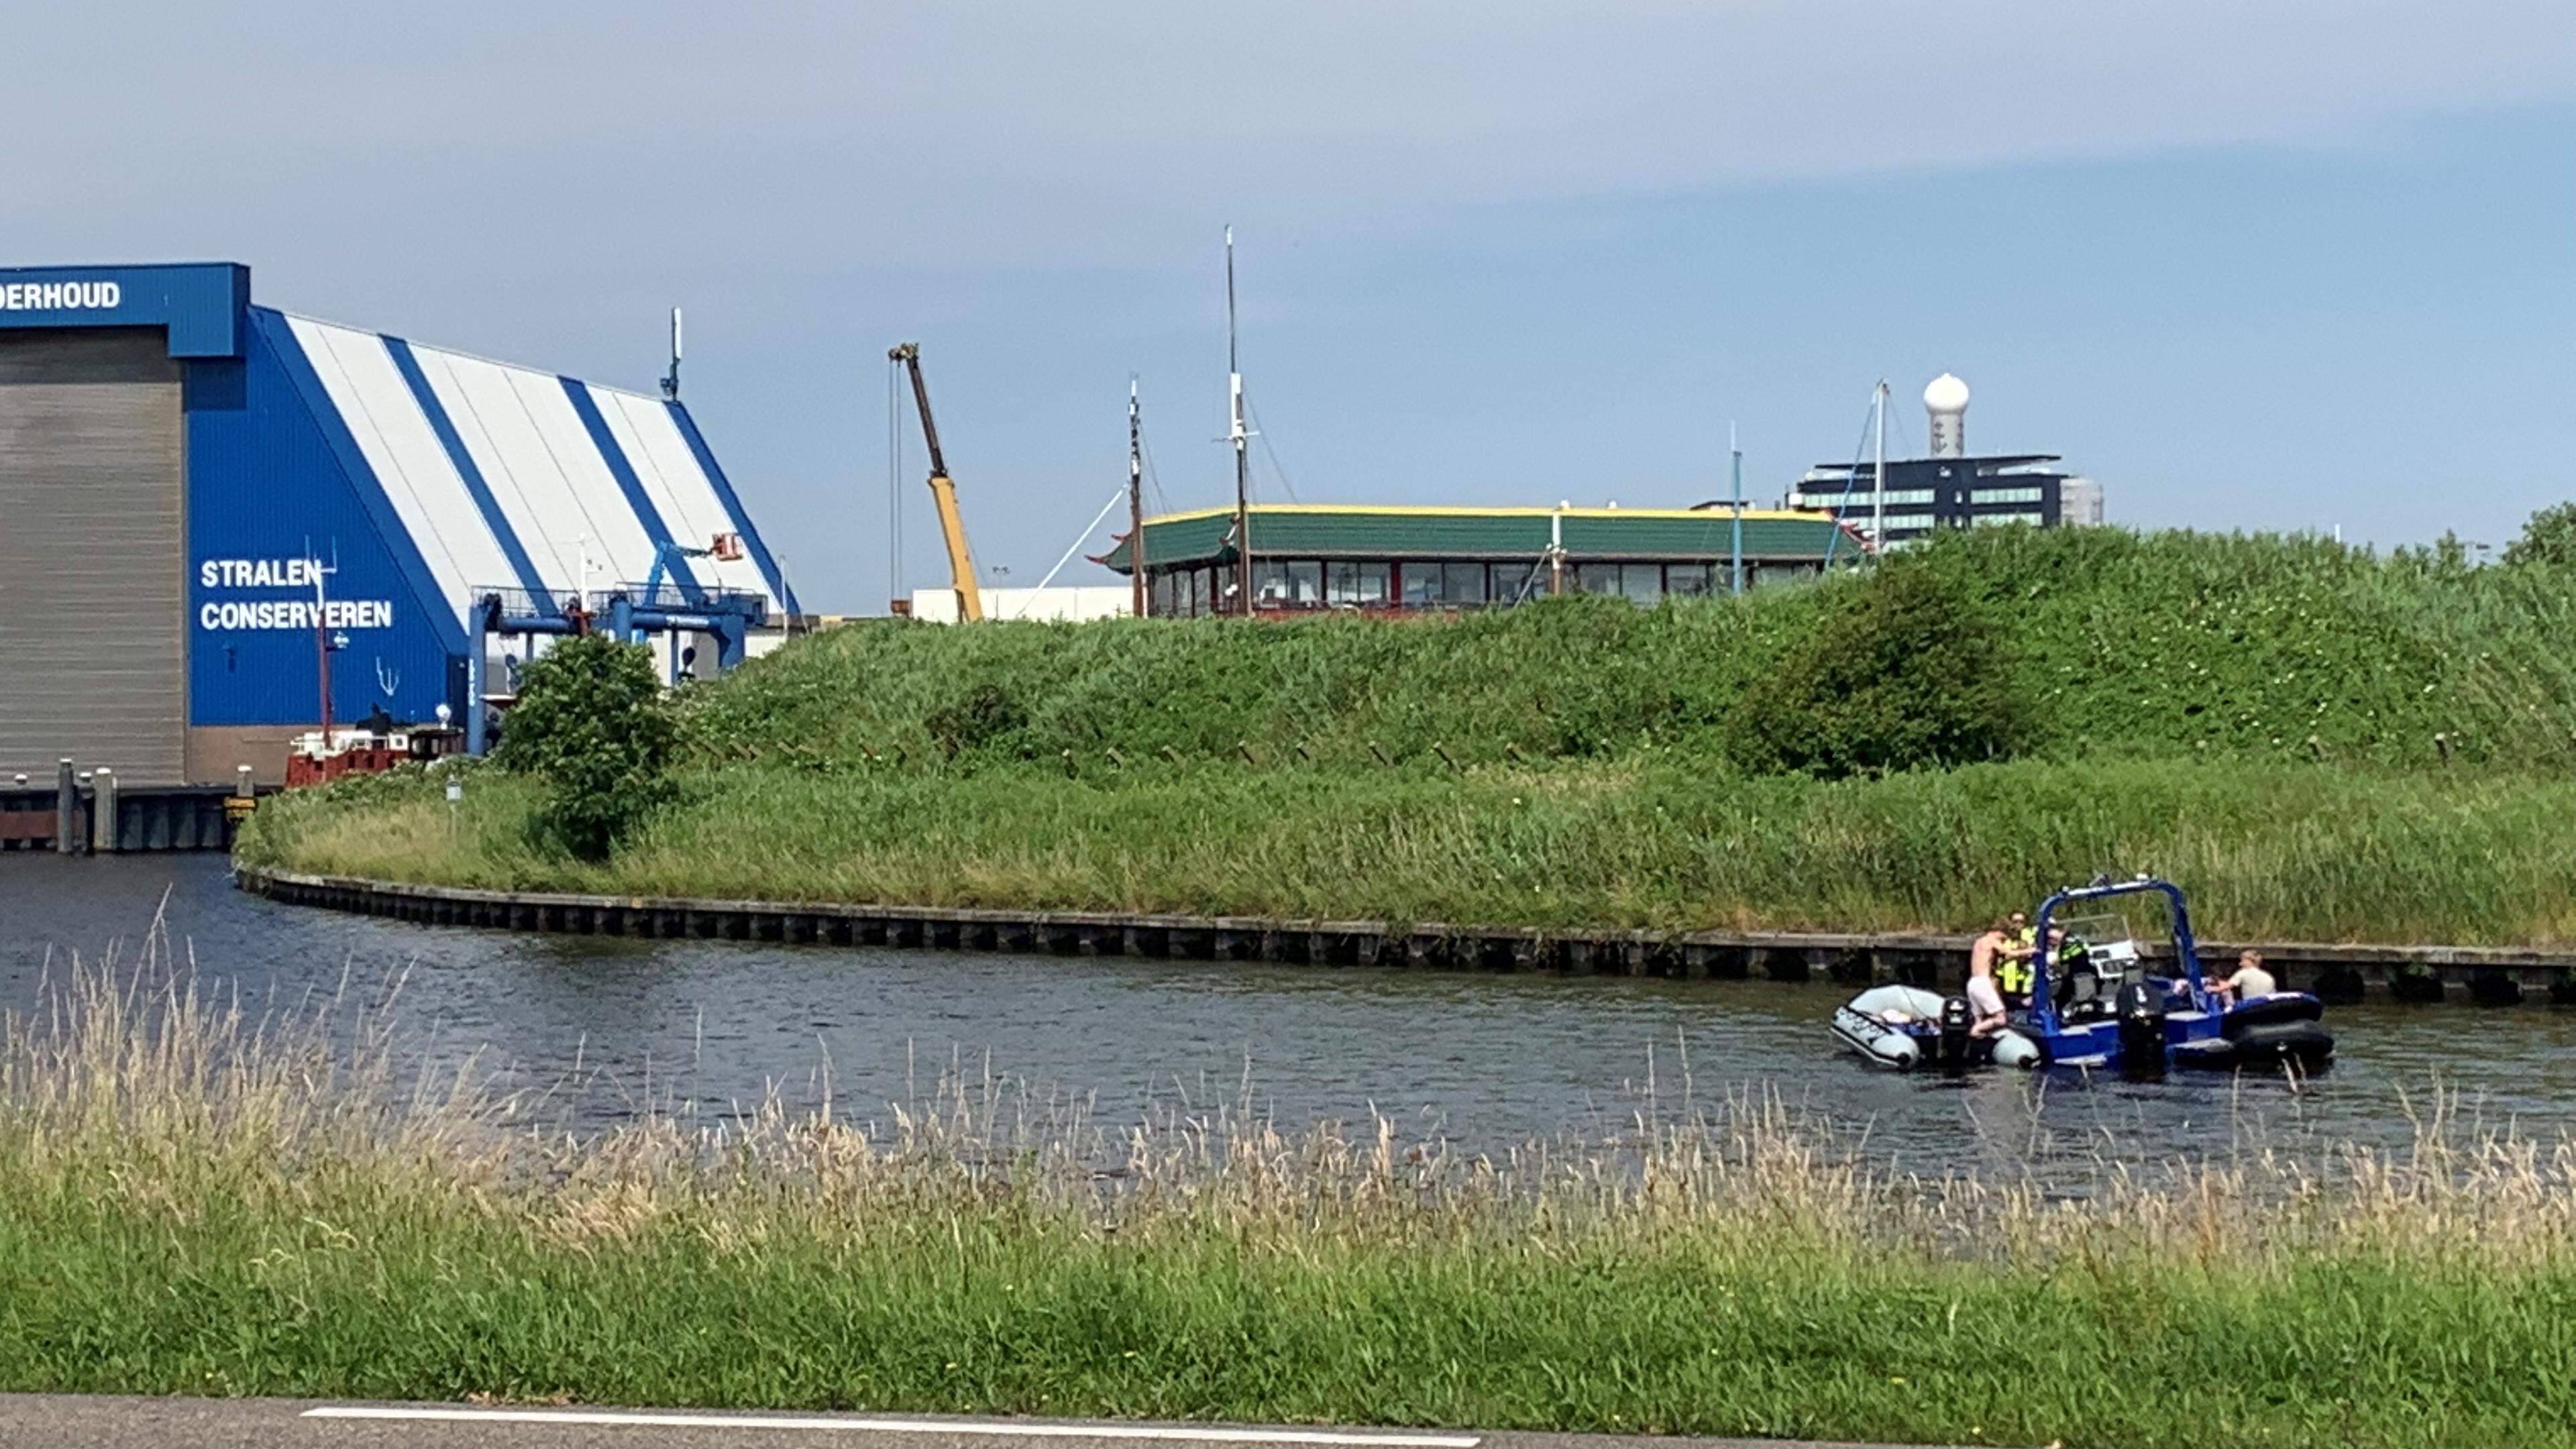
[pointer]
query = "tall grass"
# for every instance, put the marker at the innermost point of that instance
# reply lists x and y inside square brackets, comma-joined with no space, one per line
[195,1199]
[2271,850]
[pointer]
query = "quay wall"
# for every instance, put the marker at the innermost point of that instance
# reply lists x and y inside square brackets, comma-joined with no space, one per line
[2492,976]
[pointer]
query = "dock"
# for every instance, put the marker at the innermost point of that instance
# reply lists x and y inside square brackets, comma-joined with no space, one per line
[2480,975]
[94,813]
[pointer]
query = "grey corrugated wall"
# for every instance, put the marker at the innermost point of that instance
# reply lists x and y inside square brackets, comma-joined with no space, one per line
[93,627]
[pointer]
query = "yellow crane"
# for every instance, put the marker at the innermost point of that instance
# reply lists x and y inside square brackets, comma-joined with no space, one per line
[943,492]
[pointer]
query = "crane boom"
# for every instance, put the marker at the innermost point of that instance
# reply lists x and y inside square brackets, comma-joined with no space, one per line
[943,492]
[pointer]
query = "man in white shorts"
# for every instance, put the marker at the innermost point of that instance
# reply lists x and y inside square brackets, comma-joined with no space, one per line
[1984,997]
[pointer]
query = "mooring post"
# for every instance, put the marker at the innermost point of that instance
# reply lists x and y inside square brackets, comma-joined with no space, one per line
[66,808]
[102,812]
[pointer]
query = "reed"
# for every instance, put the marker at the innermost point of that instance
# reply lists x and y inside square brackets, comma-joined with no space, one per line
[2279,849]
[197,1198]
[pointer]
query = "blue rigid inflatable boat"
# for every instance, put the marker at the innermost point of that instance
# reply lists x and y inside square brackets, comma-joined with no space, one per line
[2107,1006]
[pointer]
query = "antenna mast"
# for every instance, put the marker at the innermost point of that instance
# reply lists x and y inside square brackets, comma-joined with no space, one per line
[1878,487]
[1237,436]
[671,379]
[1135,502]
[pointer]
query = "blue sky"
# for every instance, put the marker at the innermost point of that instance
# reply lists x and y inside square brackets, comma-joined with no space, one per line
[2284,265]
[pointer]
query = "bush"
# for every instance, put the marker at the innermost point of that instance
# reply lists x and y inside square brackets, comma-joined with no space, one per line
[986,717]
[591,721]
[1907,671]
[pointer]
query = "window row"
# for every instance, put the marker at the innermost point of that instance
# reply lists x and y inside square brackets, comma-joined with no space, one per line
[1290,584]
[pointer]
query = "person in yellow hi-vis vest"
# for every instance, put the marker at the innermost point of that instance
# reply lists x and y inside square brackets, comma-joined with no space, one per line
[2012,965]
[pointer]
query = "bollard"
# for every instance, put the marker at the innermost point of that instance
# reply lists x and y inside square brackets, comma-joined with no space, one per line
[102,812]
[241,783]
[66,805]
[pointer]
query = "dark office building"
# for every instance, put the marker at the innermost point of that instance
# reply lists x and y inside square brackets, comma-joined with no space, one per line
[1950,489]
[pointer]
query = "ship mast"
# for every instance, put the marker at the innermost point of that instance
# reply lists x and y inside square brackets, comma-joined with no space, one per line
[1236,435]
[1878,486]
[1135,503]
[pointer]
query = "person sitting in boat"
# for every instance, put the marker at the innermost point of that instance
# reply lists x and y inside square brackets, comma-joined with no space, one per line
[1986,955]
[2249,982]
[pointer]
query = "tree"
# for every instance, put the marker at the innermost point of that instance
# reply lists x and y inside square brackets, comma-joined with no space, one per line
[591,721]
[2548,537]
[1907,670]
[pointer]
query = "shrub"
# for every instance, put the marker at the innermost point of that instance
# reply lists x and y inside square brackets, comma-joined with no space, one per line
[591,721]
[986,717]
[1907,670]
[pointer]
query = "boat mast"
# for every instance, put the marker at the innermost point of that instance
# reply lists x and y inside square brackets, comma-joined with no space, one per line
[1237,436]
[1135,503]
[1878,488]
[1735,471]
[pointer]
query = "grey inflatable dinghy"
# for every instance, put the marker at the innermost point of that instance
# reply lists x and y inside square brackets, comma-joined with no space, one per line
[1903,1027]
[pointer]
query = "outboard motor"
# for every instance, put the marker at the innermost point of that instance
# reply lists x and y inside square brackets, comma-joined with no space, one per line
[2140,1008]
[1955,1019]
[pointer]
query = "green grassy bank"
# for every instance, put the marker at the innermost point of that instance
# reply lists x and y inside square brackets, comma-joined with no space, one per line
[194,1203]
[2318,742]
[2269,851]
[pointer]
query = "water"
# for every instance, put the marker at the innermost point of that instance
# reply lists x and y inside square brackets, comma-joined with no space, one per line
[1486,1060]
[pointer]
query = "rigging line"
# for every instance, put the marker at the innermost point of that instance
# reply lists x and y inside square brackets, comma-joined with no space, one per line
[1153,477]
[1850,481]
[1076,547]
[1273,453]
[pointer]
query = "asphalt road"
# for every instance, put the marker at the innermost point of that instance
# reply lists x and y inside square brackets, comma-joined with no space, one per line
[43,1421]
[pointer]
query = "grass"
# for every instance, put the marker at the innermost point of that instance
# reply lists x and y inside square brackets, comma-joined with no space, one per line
[2275,850]
[198,1201]
[2255,717]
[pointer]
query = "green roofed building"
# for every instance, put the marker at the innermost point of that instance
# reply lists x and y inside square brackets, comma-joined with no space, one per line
[1327,556]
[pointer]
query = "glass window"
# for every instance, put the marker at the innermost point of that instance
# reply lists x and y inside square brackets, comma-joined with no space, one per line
[1421,585]
[1159,594]
[1193,593]
[1349,584]
[1594,578]
[1463,583]
[1270,586]
[1306,583]
[1691,578]
[1509,583]
[2009,495]
[1642,583]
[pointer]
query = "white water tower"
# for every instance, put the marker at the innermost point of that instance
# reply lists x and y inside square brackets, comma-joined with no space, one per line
[1946,399]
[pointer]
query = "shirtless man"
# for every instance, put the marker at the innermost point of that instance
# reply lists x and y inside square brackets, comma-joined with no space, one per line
[2250,981]
[1984,997]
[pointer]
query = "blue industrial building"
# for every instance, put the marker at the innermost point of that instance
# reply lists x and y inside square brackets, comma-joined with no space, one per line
[190,480]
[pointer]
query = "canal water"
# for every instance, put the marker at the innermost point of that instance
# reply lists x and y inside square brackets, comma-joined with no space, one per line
[1483,1060]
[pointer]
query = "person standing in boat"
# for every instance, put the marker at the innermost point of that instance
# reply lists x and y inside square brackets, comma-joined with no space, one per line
[1990,950]
[2250,981]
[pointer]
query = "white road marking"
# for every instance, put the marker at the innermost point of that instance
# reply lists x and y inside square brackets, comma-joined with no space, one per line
[1168,1432]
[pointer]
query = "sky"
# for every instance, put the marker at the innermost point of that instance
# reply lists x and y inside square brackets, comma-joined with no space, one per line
[2263,264]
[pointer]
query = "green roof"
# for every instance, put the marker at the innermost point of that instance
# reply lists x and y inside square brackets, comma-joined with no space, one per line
[1372,532]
